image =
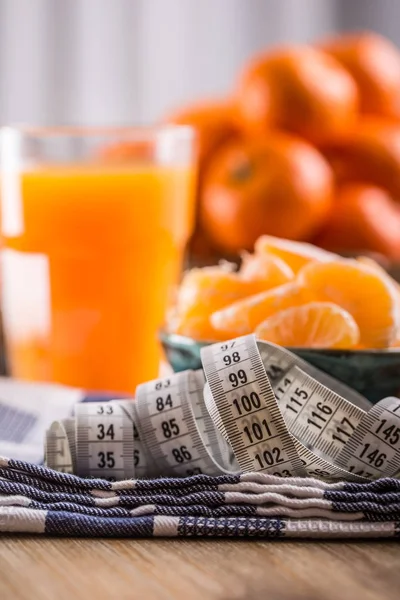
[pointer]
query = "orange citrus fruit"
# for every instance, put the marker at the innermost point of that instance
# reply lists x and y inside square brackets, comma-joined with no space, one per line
[214,121]
[243,316]
[313,325]
[370,154]
[269,271]
[374,63]
[368,295]
[295,254]
[297,89]
[364,218]
[280,186]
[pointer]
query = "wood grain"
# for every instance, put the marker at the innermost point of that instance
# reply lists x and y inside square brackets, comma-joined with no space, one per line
[58,569]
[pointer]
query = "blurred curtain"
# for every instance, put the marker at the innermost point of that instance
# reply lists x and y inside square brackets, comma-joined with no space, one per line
[128,61]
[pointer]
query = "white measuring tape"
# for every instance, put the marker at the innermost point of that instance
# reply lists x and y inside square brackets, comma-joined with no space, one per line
[256,407]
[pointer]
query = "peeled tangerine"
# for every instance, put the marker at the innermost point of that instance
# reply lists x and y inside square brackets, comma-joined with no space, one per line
[331,302]
[313,325]
[270,271]
[198,328]
[295,254]
[243,316]
[211,288]
[204,291]
[374,265]
[366,293]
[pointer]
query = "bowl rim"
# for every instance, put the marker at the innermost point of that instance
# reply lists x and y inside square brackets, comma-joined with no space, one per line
[182,340]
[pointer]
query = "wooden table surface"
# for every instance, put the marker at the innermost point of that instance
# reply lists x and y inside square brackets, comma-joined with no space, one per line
[58,569]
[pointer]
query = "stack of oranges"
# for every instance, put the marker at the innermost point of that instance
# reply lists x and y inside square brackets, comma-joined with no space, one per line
[293,294]
[306,148]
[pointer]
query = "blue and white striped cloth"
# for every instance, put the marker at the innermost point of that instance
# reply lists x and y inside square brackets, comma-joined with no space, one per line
[35,499]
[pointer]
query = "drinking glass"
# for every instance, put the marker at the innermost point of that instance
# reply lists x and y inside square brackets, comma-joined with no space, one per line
[94,227]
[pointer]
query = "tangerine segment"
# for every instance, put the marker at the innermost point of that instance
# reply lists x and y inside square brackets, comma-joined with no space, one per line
[269,271]
[206,290]
[368,295]
[198,328]
[313,325]
[243,316]
[374,265]
[295,254]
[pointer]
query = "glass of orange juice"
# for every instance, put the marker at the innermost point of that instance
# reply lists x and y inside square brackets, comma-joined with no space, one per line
[94,227]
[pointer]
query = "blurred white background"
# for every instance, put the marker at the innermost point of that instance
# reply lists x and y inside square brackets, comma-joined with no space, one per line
[131,61]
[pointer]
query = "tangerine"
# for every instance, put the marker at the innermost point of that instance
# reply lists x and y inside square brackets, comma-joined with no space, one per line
[298,89]
[370,154]
[282,186]
[214,121]
[374,63]
[364,218]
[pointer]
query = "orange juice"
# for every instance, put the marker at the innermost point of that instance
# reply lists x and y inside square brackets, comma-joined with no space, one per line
[87,270]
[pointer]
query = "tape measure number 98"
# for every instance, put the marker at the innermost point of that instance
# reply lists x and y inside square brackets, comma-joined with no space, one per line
[256,407]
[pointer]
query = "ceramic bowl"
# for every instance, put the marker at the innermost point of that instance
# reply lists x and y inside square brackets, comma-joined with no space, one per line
[373,373]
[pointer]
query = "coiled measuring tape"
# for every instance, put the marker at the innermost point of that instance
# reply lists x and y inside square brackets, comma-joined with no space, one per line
[254,407]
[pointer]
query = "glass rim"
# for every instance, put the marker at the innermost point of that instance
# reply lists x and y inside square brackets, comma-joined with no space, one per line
[139,132]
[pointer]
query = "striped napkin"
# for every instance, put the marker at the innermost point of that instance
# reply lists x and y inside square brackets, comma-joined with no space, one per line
[35,499]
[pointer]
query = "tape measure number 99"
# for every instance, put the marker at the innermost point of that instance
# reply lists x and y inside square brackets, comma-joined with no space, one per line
[256,407]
